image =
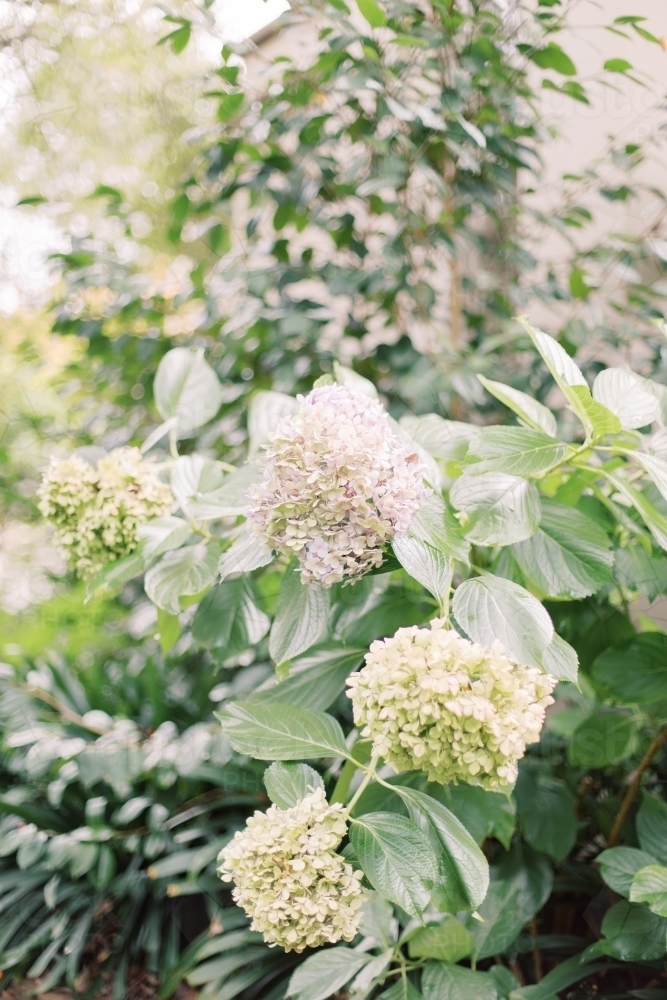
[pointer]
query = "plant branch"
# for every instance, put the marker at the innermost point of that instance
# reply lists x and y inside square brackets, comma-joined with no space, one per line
[626,805]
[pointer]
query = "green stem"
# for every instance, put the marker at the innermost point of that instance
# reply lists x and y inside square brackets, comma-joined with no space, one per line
[369,776]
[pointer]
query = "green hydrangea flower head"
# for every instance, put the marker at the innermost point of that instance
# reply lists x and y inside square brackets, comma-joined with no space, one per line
[433,701]
[97,509]
[289,879]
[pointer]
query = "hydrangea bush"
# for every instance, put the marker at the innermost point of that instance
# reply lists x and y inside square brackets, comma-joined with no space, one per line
[423,565]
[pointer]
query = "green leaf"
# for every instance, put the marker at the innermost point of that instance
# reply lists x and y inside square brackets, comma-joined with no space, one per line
[287,784]
[401,991]
[489,608]
[452,982]
[565,974]
[500,509]
[372,12]
[161,535]
[435,524]
[655,521]
[635,673]
[528,410]
[636,570]
[282,732]
[186,388]
[246,554]
[324,973]
[301,616]
[206,494]
[229,105]
[568,556]
[169,630]
[617,65]
[652,827]
[448,941]
[463,870]
[266,410]
[445,439]
[352,379]
[396,858]
[183,572]
[633,934]
[425,564]
[607,737]
[228,618]
[650,886]
[521,886]
[484,814]
[553,57]
[656,468]
[193,476]
[517,451]
[545,810]
[619,865]
[115,575]
[628,396]
[316,679]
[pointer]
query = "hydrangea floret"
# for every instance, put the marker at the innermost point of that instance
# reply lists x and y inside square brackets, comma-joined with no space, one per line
[96,509]
[338,484]
[433,701]
[289,879]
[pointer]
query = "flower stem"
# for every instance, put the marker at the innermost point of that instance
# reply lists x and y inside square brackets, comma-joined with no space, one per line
[369,776]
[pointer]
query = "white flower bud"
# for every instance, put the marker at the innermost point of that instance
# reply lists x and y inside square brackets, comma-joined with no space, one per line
[96,509]
[433,701]
[289,879]
[338,484]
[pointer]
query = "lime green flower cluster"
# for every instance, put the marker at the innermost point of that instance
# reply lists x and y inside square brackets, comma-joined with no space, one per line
[96,509]
[433,701]
[299,892]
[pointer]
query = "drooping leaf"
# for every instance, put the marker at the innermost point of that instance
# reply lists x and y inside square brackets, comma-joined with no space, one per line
[500,509]
[228,618]
[264,413]
[396,858]
[282,732]
[315,679]
[463,872]
[244,555]
[372,12]
[186,388]
[529,411]
[627,395]
[632,933]
[435,524]
[650,886]
[568,556]
[516,451]
[426,564]
[301,617]
[181,573]
[619,865]
[287,784]
[484,814]
[324,973]
[560,660]
[655,521]
[489,608]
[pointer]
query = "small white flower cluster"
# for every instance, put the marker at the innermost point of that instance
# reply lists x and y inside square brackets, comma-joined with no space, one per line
[433,701]
[299,892]
[96,510]
[338,484]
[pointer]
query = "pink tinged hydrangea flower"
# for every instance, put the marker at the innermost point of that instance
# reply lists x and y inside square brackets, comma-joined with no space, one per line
[289,879]
[433,701]
[338,485]
[96,510]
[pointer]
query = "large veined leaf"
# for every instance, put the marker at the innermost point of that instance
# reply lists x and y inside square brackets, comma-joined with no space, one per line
[435,524]
[528,410]
[619,865]
[650,886]
[463,872]
[181,573]
[568,556]
[228,498]
[655,521]
[424,563]
[560,660]
[264,413]
[595,417]
[517,451]
[445,439]
[447,941]
[636,673]
[315,679]
[228,618]
[500,509]
[186,388]
[565,974]
[353,380]
[396,858]
[324,973]
[244,555]
[194,475]
[652,827]
[287,784]
[443,981]
[489,608]
[632,933]
[301,617]
[282,732]
[629,396]
[161,535]
[545,809]
[606,737]
[656,468]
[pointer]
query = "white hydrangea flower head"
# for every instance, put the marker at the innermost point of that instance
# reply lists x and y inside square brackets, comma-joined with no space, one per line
[338,484]
[289,879]
[433,701]
[96,510]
